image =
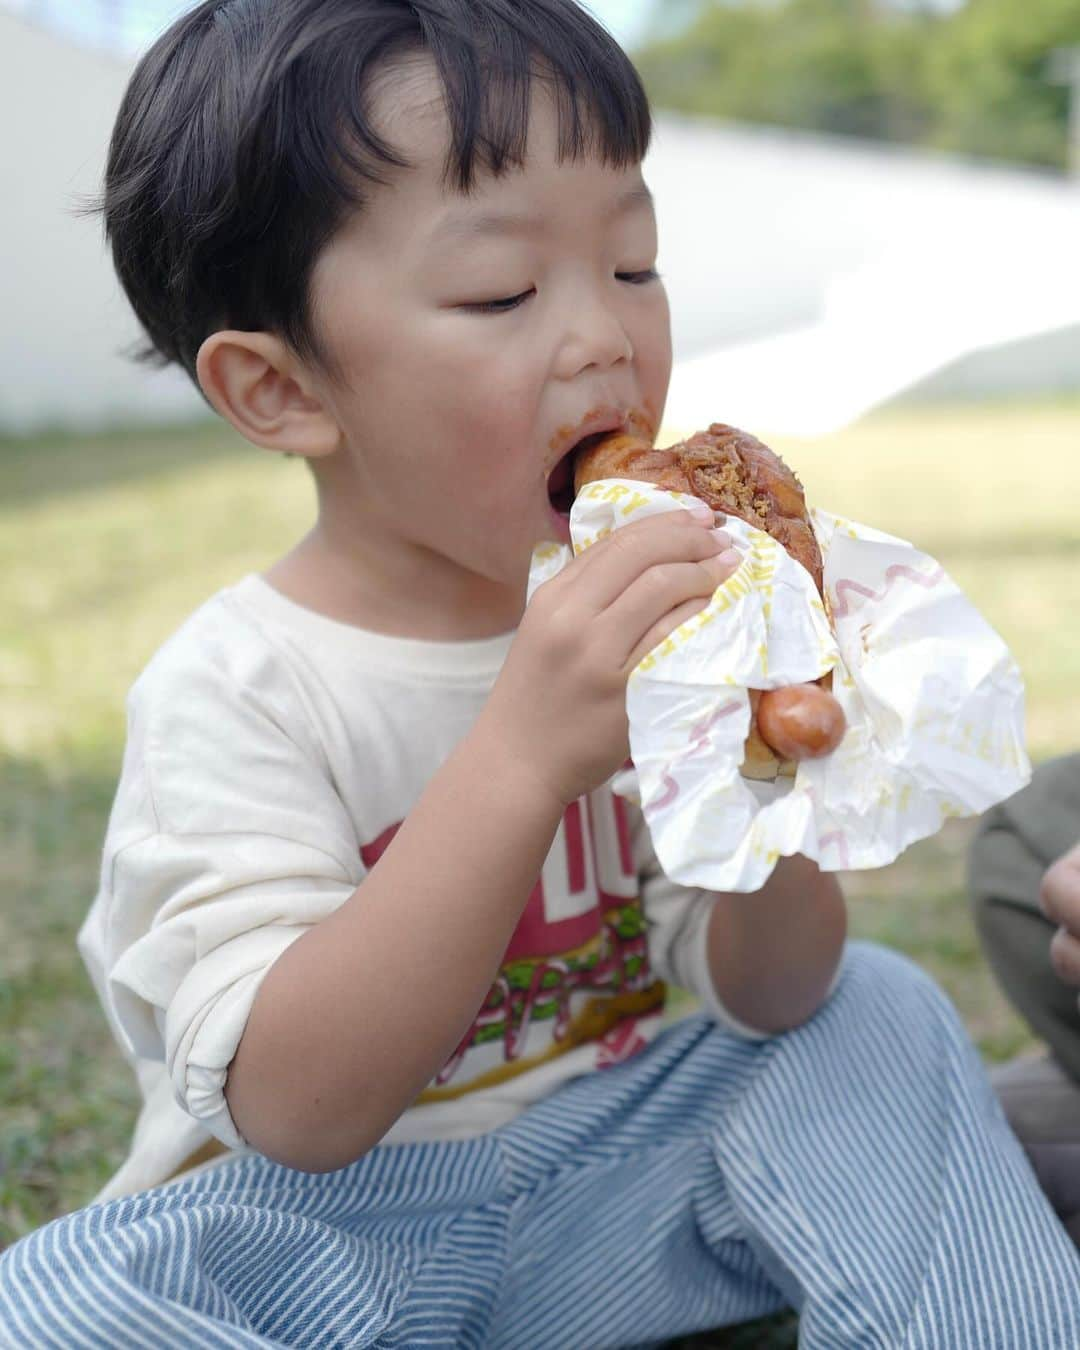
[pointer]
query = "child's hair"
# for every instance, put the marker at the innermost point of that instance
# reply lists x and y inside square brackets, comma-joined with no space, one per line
[245,139]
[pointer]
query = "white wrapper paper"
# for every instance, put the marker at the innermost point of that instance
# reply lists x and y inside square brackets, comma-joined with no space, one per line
[934,702]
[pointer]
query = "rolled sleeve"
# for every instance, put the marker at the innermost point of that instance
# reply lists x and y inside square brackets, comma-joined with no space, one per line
[182,990]
[228,840]
[206,1019]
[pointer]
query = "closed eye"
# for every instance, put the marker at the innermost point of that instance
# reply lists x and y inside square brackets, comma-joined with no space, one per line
[513,302]
[499,306]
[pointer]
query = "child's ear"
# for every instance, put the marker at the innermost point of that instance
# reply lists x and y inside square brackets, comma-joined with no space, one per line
[255,382]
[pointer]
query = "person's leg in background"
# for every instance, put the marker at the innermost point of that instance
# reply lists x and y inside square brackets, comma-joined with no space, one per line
[1015,844]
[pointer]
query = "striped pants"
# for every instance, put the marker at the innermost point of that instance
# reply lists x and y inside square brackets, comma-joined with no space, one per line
[858,1168]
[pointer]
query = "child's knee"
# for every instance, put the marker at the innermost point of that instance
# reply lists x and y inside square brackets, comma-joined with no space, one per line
[883,987]
[889,1023]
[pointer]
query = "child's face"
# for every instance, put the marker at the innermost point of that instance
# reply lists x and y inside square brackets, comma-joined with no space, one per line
[454,417]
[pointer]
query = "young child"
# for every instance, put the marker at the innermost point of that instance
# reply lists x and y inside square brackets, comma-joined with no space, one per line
[387,954]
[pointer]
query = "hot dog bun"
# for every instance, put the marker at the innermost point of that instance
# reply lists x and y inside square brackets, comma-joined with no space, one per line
[727,468]
[735,473]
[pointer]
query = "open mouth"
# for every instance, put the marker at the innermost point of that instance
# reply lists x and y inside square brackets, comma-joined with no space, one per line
[561,480]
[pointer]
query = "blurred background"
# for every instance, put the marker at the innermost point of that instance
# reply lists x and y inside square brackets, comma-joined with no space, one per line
[869,214]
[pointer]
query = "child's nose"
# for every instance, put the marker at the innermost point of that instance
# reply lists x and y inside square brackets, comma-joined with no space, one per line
[595,337]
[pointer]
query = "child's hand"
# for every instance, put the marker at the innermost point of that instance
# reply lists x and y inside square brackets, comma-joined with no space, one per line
[1060,896]
[559,705]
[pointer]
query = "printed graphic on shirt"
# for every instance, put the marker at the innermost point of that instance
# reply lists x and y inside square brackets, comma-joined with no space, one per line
[577,968]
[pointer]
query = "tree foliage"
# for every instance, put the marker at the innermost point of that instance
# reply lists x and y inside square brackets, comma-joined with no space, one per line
[976,80]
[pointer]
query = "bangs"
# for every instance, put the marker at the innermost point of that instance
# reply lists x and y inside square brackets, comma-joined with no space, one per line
[487,57]
[601,106]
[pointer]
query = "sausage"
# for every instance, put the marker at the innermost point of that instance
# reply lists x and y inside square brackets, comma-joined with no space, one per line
[801,721]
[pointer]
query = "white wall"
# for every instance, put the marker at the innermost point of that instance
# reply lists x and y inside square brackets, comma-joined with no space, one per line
[64,320]
[816,278]
[759,226]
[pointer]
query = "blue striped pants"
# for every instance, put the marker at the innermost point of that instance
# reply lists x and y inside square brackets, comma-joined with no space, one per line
[858,1168]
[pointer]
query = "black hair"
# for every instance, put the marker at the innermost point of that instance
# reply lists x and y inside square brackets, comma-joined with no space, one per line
[245,138]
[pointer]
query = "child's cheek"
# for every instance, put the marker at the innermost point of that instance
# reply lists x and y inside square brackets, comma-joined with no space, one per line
[657,355]
[501,408]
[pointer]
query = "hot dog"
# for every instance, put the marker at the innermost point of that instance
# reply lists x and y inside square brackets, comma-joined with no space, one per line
[736,474]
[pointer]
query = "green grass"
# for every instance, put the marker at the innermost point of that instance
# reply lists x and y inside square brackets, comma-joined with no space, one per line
[107,542]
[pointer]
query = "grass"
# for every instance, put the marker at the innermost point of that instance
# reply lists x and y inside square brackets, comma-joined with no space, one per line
[107,542]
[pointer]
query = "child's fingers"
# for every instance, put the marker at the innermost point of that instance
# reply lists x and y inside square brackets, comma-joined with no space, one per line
[663,598]
[608,569]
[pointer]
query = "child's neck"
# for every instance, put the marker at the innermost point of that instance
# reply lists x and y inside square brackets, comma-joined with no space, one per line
[409,596]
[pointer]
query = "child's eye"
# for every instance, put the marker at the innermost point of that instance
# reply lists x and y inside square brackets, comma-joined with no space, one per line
[498,306]
[638,278]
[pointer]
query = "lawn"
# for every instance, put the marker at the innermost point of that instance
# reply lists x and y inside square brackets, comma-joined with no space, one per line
[106,543]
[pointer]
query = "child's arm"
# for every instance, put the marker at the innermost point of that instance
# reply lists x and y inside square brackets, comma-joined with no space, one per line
[356,1017]
[773,955]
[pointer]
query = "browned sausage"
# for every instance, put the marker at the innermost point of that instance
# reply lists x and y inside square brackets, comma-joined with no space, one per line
[801,721]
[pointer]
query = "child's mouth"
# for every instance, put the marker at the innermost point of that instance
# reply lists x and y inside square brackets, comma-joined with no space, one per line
[561,480]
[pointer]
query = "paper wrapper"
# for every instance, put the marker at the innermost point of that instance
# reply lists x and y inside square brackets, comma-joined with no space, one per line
[934,702]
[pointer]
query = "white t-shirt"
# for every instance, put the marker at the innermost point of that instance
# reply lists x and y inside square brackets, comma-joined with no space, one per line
[271,755]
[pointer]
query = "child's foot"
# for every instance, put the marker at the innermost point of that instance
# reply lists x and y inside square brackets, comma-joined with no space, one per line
[1042,1104]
